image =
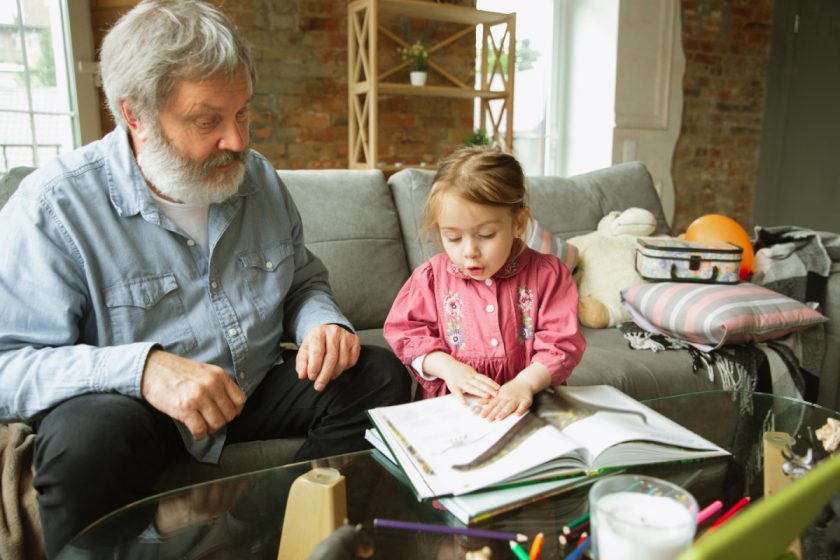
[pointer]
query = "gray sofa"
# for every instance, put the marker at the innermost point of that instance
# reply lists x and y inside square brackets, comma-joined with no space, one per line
[365,229]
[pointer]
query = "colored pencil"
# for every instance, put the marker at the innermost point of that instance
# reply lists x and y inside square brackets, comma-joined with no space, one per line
[571,535]
[580,550]
[518,551]
[739,505]
[574,523]
[536,547]
[446,529]
[709,511]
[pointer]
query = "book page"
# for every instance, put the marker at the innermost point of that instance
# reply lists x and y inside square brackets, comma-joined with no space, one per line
[613,418]
[451,447]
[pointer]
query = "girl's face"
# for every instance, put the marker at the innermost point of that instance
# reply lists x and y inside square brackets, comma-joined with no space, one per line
[478,238]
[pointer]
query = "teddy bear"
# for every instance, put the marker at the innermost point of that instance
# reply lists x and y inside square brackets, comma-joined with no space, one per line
[606,265]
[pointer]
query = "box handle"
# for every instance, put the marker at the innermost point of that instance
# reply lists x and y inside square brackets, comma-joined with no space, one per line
[675,276]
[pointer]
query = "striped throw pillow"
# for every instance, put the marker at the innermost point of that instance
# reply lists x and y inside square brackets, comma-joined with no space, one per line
[711,315]
[542,240]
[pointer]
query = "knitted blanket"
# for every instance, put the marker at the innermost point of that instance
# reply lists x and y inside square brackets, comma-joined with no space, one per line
[20,522]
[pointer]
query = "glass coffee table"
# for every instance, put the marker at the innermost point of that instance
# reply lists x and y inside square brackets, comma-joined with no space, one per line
[242,516]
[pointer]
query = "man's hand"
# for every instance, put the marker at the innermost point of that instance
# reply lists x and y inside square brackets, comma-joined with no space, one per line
[324,354]
[202,396]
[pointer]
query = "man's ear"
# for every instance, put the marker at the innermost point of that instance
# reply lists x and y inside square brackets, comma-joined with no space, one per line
[132,119]
[138,129]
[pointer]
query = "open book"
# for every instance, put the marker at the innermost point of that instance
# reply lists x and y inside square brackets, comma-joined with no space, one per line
[488,502]
[445,448]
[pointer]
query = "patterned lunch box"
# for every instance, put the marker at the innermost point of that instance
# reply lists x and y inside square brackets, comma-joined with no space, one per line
[675,260]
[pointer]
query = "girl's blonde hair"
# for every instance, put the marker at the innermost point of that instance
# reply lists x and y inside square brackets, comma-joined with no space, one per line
[486,176]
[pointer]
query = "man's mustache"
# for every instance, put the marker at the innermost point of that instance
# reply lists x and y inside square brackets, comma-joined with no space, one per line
[225,157]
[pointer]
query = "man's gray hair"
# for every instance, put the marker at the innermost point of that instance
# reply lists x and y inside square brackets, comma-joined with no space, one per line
[160,42]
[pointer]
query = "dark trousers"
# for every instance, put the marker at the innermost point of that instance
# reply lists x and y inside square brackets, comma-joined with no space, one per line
[95,453]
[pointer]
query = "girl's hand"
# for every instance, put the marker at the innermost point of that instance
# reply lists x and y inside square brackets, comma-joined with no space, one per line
[463,380]
[517,395]
[513,396]
[460,378]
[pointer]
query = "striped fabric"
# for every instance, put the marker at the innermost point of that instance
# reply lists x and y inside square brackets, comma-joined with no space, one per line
[711,315]
[540,239]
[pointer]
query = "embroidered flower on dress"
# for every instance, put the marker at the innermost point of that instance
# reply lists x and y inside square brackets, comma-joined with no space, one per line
[525,303]
[453,307]
[455,338]
[526,332]
[526,299]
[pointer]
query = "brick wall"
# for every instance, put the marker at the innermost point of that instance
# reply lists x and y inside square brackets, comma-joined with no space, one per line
[727,49]
[300,107]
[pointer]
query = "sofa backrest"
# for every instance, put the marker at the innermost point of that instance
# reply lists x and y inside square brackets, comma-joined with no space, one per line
[351,224]
[566,206]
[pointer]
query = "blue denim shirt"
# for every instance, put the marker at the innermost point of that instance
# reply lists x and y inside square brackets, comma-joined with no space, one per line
[93,275]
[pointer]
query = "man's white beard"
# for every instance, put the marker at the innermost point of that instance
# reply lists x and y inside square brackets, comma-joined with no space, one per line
[179,178]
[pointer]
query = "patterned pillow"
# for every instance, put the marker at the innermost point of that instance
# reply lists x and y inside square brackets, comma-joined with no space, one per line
[541,239]
[711,315]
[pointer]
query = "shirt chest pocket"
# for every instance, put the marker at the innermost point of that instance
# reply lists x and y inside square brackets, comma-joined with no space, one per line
[268,274]
[150,309]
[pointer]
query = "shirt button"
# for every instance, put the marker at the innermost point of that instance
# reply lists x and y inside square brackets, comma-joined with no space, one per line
[494,342]
[269,265]
[214,284]
[233,332]
[490,308]
[489,282]
[190,243]
[242,375]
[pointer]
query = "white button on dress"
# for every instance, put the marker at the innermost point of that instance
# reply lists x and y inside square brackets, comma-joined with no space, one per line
[490,308]
[233,332]
[489,282]
[494,342]
[269,265]
[190,243]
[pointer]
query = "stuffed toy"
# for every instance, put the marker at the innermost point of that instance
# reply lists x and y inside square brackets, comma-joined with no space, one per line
[606,265]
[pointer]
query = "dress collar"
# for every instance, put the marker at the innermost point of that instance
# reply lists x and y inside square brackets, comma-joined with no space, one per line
[518,256]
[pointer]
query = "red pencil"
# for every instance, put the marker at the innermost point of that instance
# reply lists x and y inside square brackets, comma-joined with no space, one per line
[739,505]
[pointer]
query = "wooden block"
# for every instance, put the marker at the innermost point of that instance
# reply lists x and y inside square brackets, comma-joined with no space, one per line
[317,506]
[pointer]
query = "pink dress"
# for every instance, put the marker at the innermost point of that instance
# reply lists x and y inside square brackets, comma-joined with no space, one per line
[526,312]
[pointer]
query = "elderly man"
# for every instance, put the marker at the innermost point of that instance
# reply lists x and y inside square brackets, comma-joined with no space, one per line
[152,276]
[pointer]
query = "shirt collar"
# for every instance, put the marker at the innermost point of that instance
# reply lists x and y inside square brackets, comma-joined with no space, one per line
[518,257]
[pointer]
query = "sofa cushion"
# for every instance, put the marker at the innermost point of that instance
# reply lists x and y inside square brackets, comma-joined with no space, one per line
[642,374]
[565,206]
[409,188]
[711,315]
[10,180]
[364,256]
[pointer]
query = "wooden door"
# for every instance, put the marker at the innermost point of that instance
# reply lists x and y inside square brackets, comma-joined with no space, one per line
[799,162]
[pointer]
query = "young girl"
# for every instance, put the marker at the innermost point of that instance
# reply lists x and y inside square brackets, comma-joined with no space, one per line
[489,317]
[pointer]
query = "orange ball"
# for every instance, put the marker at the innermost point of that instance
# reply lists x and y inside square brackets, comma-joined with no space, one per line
[716,227]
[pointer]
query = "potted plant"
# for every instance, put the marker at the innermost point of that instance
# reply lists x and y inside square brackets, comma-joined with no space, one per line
[419,57]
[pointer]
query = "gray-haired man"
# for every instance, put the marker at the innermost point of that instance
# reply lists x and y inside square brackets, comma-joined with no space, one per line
[152,275]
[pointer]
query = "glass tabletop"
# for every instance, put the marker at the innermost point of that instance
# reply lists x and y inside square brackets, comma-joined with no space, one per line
[242,516]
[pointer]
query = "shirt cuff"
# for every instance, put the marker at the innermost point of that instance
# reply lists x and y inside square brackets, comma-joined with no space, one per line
[417,364]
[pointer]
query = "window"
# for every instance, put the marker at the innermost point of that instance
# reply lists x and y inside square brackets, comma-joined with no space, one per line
[564,86]
[47,95]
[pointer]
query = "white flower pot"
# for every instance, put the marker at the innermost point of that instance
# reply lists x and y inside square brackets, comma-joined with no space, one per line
[418,78]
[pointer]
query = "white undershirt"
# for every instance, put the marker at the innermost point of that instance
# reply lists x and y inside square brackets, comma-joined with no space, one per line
[191,219]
